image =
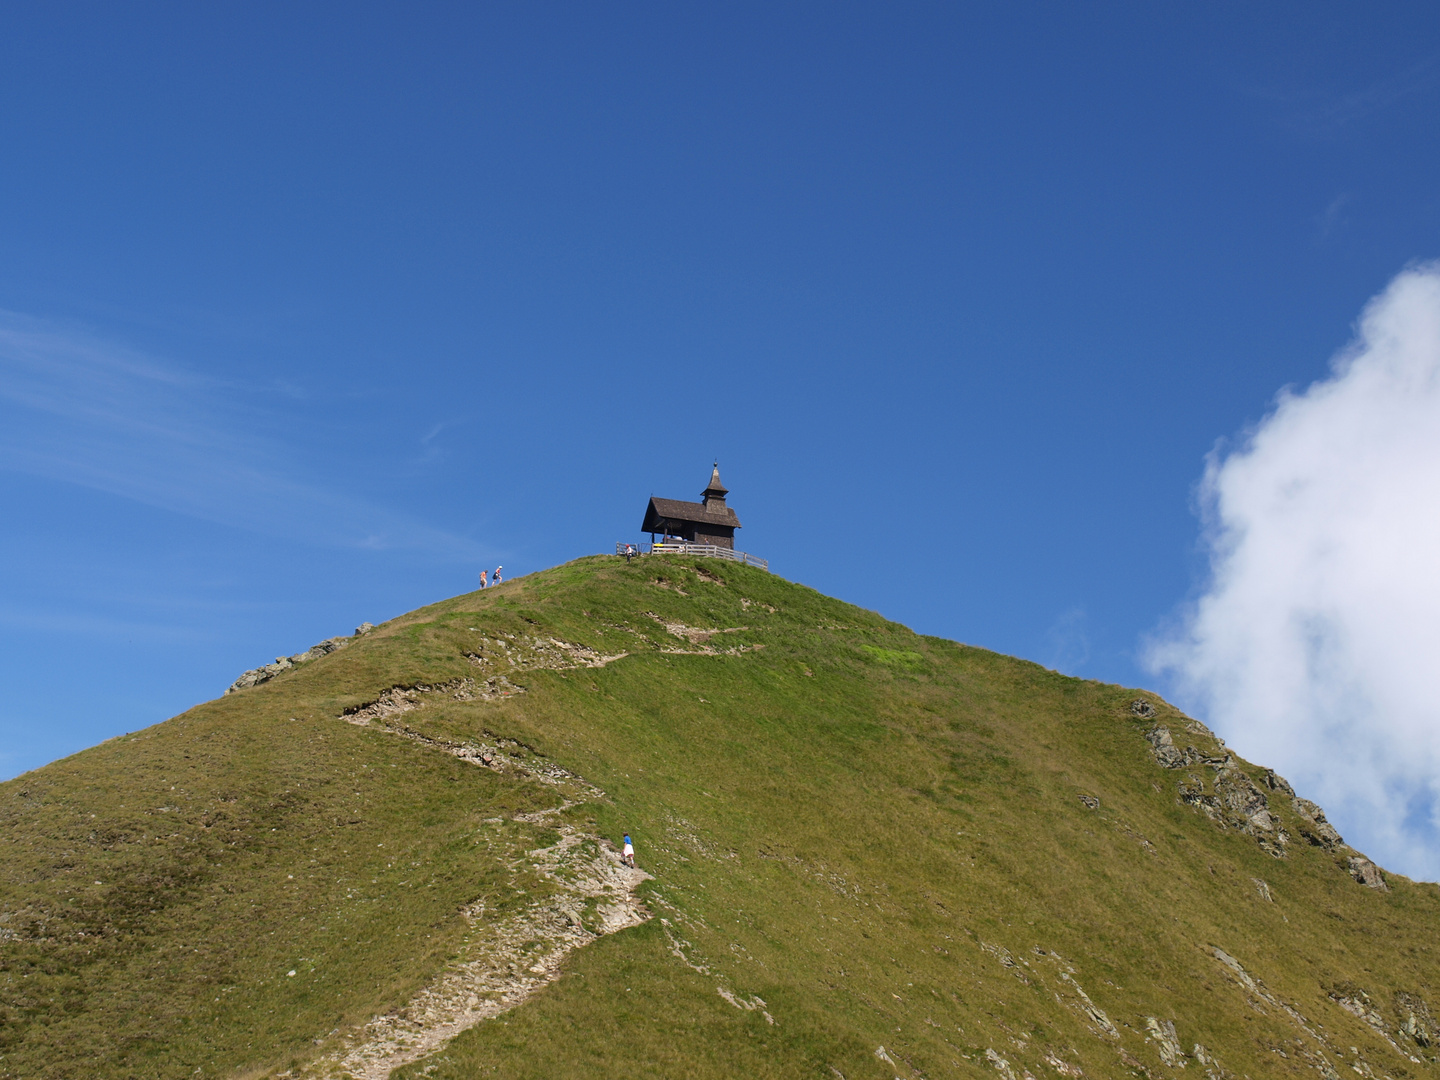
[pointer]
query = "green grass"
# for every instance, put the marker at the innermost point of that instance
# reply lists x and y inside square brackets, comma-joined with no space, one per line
[877,834]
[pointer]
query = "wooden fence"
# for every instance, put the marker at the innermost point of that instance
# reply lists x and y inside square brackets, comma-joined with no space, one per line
[711,551]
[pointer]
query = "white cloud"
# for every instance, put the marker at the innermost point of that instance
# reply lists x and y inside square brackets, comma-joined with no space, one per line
[81,410]
[1315,646]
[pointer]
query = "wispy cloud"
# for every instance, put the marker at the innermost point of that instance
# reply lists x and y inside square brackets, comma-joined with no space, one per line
[1358,104]
[1332,217]
[1311,108]
[81,410]
[1313,645]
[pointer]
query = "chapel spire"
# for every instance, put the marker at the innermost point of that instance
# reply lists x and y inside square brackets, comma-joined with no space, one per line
[714,494]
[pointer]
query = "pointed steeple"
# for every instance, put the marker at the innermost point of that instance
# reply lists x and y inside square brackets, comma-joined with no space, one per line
[714,494]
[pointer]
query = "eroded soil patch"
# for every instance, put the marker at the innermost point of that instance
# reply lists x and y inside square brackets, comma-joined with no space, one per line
[502,961]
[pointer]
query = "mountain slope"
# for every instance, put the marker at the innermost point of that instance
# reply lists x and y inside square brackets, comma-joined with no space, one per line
[873,854]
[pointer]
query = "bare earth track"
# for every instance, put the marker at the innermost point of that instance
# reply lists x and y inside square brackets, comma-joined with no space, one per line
[501,962]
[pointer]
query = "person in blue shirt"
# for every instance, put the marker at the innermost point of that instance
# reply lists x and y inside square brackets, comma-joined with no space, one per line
[628,855]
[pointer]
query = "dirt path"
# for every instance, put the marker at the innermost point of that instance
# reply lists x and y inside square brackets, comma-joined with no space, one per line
[502,962]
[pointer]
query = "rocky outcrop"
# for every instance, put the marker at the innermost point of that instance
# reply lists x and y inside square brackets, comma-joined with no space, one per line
[256,676]
[1316,829]
[1162,1033]
[1275,782]
[1231,800]
[1167,754]
[1358,1004]
[1367,873]
[520,653]
[1415,1021]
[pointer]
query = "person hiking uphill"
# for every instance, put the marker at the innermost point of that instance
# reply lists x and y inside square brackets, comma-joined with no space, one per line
[628,855]
[482,579]
[495,577]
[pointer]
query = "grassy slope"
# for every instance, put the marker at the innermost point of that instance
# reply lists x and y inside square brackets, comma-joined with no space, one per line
[868,831]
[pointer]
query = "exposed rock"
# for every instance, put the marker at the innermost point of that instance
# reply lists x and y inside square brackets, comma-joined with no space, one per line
[1320,1063]
[1237,803]
[1416,1022]
[1260,993]
[1263,889]
[1162,1032]
[1357,1003]
[1195,727]
[259,675]
[1192,793]
[1063,1067]
[1275,782]
[1212,1067]
[1006,960]
[537,653]
[1000,1064]
[1367,873]
[1239,972]
[363,629]
[1090,1009]
[1316,830]
[1141,707]
[747,1006]
[1163,747]
[1090,801]
[503,960]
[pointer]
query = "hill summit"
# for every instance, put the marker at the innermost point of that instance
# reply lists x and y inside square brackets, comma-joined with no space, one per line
[862,853]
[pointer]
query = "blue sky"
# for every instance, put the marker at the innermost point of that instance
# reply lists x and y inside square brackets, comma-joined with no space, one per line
[308,313]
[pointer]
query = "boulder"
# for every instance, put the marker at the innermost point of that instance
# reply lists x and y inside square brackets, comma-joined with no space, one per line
[1367,873]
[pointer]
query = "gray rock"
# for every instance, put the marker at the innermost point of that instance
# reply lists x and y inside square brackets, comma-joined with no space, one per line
[1357,1003]
[1416,1022]
[1275,782]
[1163,747]
[1240,794]
[1141,707]
[256,676]
[1165,1039]
[363,629]
[1316,830]
[1367,873]
[1192,793]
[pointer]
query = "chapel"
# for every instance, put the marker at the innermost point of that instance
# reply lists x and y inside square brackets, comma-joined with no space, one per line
[709,521]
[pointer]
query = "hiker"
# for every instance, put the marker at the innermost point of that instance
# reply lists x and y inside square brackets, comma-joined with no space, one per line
[628,855]
[496,579]
[482,579]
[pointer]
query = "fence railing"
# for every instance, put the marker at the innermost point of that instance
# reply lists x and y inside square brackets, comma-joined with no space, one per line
[682,547]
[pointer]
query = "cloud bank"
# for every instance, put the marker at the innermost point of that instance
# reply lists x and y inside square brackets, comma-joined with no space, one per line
[82,410]
[1315,647]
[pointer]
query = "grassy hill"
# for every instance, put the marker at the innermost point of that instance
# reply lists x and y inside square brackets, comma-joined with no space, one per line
[871,854]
